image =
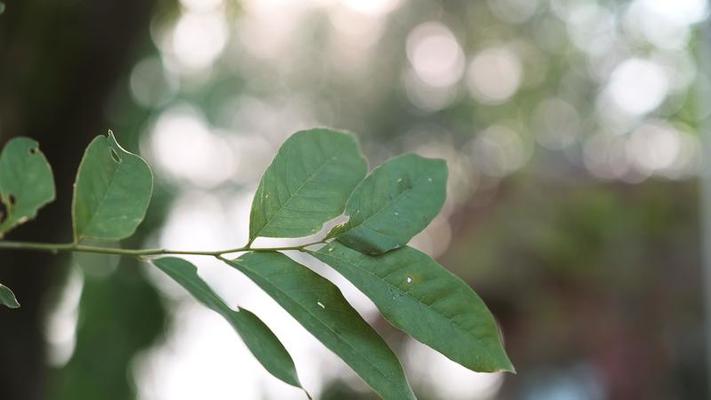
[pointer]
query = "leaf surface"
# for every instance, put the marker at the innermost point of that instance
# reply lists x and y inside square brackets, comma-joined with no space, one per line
[111,193]
[394,203]
[7,298]
[423,299]
[26,182]
[307,184]
[319,306]
[260,340]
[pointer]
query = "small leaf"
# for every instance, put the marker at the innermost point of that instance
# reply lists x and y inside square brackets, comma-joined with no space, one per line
[307,184]
[260,340]
[112,191]
[394,203]
[7,298]
[426,301]
[319,306]
[26,182]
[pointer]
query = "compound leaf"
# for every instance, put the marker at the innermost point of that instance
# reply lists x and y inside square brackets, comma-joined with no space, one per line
[307,183]
[26,182]
[423,299]
[7,298]
[260,340]
[111,193]
[319,306]
[395,202]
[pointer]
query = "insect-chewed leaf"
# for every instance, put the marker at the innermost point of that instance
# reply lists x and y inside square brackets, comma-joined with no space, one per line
[395,202]
[26,182]
[307,183]
[260,340]
[423,299]
[319,306]
[111,193]
[7,298]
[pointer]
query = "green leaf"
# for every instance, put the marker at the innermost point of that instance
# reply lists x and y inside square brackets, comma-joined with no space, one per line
[112,191]
[260,340]
[26,182]
[307,184]
[423,299]
[7,298]
[319,306]
[395,202]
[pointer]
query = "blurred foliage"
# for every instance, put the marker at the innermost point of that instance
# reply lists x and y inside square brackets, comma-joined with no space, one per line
[120,315]
[597,274]
[568,213]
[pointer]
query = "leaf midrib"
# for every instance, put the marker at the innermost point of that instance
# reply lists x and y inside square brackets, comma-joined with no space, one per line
[380,210]
[451,322]
[292,195]
[101,202]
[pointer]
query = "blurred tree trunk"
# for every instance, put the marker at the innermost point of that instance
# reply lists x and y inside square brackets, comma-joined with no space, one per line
[59,63]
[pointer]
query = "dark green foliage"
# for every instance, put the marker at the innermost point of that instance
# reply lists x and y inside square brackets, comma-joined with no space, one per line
[259,339]
[316,176]
[112,191]
[307,184]
[393,204]
[320,307]
[26,183]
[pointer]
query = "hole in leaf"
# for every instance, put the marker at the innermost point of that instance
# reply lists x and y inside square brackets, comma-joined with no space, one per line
[115,156]
[33,150]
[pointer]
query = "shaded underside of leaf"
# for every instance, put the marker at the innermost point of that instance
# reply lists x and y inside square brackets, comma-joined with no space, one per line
[394,203]
[7,298]
[422,298]
[319,306]
[260,340]
[26,182]
[307,184]
[112,191]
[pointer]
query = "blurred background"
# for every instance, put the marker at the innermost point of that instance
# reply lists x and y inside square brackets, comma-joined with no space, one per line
[572,130]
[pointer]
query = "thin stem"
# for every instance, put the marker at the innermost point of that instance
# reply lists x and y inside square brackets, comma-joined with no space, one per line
[78,248]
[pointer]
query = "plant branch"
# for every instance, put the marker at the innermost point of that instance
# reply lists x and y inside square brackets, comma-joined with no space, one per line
[78,248]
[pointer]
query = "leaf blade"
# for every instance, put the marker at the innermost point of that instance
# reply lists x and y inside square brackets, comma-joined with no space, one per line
[260,340]
[112,191]
[395,202]
[307,184]
[7,297]
[26,182]
[319,306]
[426,301]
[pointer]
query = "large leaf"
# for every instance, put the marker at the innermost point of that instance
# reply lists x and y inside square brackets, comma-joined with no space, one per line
[112,191]
[319,306]
[395,202]
[7,298]
[419,296]
[307,183]
[26,182]
[260,340]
